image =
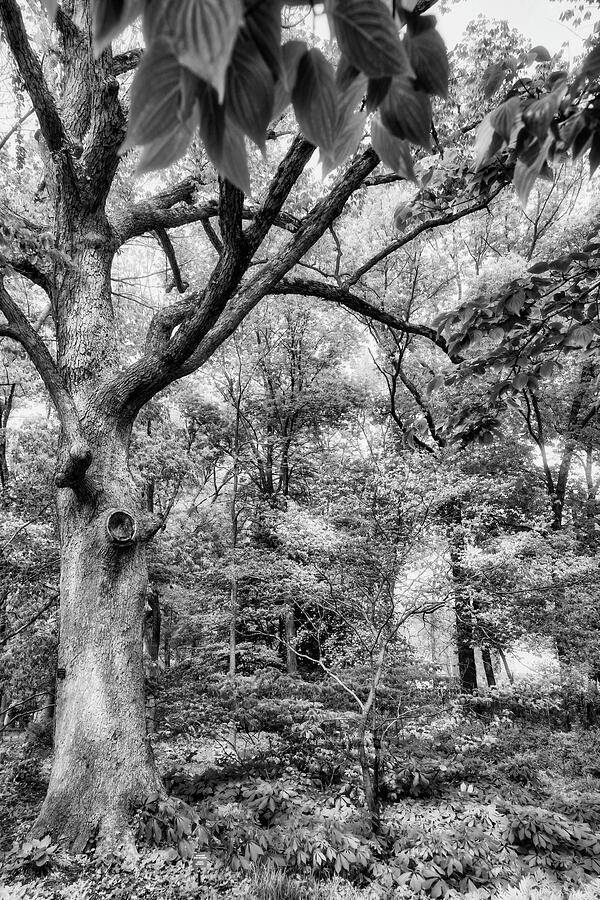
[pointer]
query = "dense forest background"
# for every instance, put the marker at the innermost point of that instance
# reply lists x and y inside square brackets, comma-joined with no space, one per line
[371,640]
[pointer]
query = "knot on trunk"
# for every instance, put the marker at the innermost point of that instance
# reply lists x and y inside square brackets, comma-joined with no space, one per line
[121,527]
[71,472]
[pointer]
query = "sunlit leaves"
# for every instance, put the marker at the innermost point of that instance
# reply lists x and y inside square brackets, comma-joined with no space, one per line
[368,38]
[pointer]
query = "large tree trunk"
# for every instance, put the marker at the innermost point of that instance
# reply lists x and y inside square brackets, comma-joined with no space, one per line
[103,764]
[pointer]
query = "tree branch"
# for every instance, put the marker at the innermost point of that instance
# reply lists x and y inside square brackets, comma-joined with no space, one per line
[125,62]
[164,210]
[15,127]
[30,621]
[307,287]
[286,176]
[165,242]
[430,225]
[77,456]
[30,69]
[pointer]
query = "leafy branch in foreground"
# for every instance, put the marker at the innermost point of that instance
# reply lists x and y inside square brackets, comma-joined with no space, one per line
[222,68]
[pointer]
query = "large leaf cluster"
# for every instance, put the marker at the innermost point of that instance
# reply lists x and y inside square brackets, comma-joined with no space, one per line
[221,66]
[541,122]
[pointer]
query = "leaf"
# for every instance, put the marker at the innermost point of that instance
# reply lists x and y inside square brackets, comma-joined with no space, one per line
[291,54]
[539,54]
[591,64]
[212,121]
[505,117]
[348,138]
[205,32]
[526,173]
[595,153]
[250,91]
[315,100]
[377,89]
[436,382]
[350,125]
[233,163]
[368,38]
[580,336]
[538,267]
[155,96]
[487,142]
[167,149]
[492,79]
[406,113]
[392,151]
[427,54]
[539,114]
[109,18]
[263,23]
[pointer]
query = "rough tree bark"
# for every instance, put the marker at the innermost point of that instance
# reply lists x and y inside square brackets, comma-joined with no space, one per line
[462,606]
[5,410]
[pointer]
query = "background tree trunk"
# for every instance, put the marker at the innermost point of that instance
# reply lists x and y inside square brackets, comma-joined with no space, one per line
[464,614]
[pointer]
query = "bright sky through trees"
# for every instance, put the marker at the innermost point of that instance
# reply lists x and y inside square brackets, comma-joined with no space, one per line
[537,19]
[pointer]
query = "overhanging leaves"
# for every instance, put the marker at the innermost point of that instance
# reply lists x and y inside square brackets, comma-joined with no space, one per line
[168,148]
[368,38]
[406,113]
[204,33]
[263,23]
[493,77]
[428,58]
[109,18]
[392,151]
[527,171]
[315,100]
[250,90]
[155,95]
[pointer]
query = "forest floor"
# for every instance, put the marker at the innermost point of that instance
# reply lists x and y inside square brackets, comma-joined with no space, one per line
[511,812]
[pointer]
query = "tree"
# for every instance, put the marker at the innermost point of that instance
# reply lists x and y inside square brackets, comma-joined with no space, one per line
[103,524]
[98,386]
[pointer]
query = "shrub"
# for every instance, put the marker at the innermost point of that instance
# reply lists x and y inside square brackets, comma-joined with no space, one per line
[547,839]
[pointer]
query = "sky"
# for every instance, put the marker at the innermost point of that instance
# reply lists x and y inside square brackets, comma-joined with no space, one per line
[538,20]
